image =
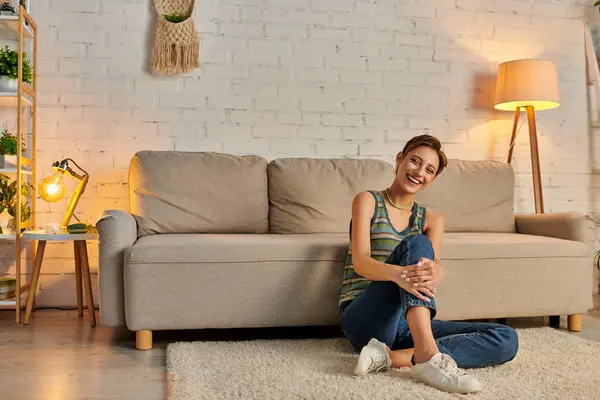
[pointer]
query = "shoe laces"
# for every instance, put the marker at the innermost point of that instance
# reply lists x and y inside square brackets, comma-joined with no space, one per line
[449,366]
[379,363]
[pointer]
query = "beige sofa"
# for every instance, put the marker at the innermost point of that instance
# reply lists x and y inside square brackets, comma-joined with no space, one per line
[221,241]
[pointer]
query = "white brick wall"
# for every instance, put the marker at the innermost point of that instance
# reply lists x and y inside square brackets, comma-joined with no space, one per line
[316,78]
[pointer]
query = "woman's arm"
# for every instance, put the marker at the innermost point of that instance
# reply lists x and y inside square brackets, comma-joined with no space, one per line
[434,230]
[363,207]
[429,273]
[366,266]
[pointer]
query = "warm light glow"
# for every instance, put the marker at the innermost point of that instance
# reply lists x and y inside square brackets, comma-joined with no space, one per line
[523,83]
[52,188]
[539,105]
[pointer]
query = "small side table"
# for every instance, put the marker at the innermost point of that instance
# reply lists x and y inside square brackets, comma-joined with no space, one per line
[82,267]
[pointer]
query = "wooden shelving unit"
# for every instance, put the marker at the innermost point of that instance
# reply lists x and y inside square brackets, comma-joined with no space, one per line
[9,27]
[21,28]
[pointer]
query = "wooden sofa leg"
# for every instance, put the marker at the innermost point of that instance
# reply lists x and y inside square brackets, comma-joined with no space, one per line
[143,340]
[574,322]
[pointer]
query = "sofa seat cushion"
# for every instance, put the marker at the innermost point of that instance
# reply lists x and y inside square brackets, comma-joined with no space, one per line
[191,281]
[200,281]
[468,246]
[234,248]
[237,248]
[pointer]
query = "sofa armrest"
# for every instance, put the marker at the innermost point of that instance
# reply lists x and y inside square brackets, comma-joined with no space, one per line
[117,231]
[565,225]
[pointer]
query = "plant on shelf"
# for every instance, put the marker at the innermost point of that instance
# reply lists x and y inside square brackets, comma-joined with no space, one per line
[8,149]
[9,65]
[8,144]
[25,211]
[8,198]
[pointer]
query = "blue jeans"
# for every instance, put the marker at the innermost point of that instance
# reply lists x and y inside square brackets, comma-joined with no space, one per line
[380,312]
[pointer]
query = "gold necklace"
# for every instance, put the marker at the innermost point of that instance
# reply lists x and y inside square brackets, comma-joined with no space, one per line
[398,207]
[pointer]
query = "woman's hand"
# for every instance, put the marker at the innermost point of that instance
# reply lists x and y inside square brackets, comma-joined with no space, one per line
[414,288]
[424,274]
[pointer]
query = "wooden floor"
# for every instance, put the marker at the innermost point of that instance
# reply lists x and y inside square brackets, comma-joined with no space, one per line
[59,356]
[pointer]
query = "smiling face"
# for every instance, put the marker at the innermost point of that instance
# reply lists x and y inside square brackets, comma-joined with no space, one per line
[417,169]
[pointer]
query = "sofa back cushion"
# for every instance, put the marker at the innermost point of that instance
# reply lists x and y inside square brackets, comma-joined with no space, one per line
[473,196]
[186,192]
[309,195]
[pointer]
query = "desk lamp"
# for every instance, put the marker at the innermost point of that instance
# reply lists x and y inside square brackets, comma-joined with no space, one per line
[52,188]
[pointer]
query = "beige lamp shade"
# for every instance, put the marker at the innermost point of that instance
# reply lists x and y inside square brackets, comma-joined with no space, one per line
[527,83]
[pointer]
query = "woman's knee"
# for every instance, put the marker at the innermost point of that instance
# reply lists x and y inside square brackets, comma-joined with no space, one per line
[418,239]
[419,243]
[412,247]
[508,342]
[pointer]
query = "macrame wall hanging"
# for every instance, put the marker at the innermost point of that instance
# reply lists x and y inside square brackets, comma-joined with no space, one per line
[176,44]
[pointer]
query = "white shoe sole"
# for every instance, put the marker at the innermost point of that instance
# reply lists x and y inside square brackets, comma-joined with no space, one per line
[445,388]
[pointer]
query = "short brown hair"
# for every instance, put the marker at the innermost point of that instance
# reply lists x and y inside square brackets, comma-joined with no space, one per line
[429,141]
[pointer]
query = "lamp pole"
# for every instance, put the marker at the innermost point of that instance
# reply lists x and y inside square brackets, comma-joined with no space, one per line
[535,156]
[535,161]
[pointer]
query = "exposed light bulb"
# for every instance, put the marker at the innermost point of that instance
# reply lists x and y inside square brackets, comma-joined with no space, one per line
[52,188]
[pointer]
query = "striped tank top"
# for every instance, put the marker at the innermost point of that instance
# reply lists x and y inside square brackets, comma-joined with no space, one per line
[384,239]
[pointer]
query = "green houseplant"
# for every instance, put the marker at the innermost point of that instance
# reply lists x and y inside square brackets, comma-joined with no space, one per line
[8,144]
[9,64]
[8,149]
[175,18]
[8,200]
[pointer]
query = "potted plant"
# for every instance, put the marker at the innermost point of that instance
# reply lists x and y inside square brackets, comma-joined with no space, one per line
[8,150]
[8,203]
[9,65]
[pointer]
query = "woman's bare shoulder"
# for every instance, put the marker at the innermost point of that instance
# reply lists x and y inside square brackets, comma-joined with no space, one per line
[363,205]
[433,219]
[364,198]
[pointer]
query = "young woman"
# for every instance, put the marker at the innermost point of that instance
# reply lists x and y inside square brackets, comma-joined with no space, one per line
[392,271]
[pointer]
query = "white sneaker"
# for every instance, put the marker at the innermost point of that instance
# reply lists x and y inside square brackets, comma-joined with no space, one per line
[441,372]
[373,357]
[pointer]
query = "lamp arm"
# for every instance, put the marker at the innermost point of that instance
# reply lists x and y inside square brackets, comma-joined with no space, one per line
[74,199]
[75,174]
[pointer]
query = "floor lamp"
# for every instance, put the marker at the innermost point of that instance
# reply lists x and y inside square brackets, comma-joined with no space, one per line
[531,85]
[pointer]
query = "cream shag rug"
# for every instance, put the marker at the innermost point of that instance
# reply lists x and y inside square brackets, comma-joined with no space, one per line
[549,365]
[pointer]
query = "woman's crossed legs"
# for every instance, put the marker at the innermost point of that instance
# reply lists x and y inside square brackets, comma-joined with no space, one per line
[405,324]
